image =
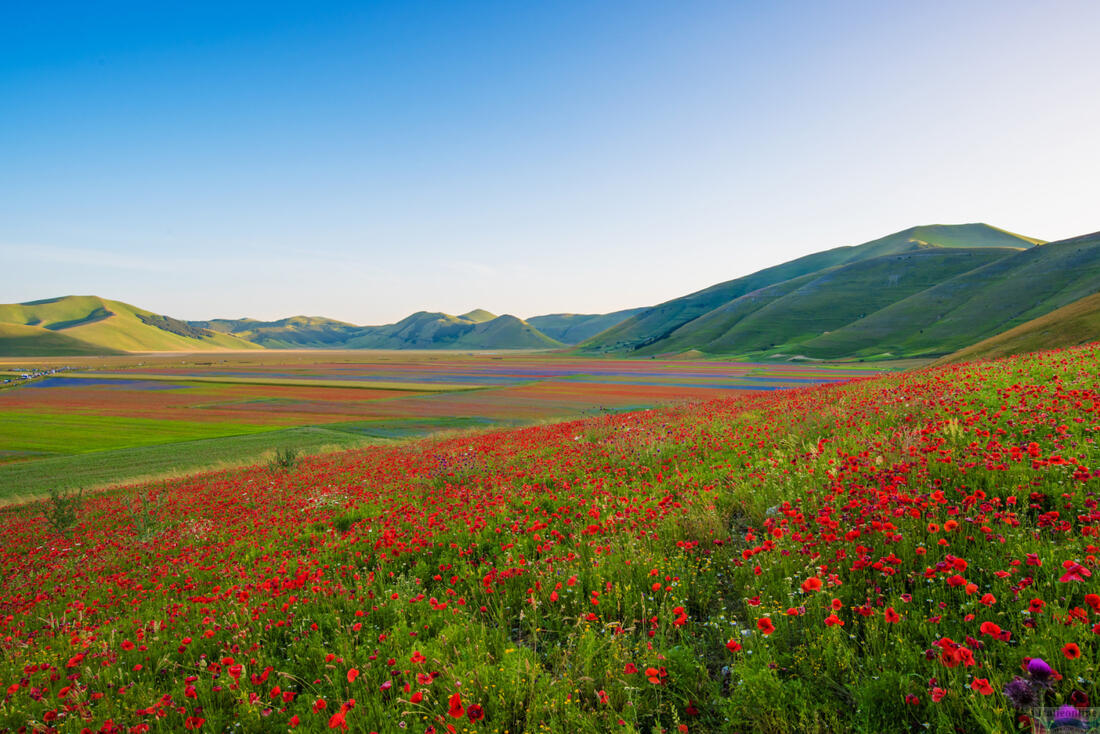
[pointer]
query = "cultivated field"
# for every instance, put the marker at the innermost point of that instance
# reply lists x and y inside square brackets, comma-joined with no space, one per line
[912,552]
[102,420]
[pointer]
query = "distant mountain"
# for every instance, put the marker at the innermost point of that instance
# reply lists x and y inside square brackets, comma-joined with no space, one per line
[777,309]
[1072,325]
[428,330]
[73,325]
[574,328]
[295,332]
[928,291]
[477,329]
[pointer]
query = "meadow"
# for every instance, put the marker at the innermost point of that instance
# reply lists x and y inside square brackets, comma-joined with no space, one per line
[100,421]
[905,552]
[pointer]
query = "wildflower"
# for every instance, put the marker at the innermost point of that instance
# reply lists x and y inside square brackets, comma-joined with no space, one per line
[352,675]
[1071,651]
[475,712]
[733,645]
[456,710]
[981,685]
[1074,572]
[892,616]
[833,621]
[1039,669]
[764,624]
[1020,693]
[811,584]
[1067,716]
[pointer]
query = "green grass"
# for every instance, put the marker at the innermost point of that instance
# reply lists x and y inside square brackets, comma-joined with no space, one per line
[25,480]
[658,322]
[81,433]
[19,340]
[1077,323]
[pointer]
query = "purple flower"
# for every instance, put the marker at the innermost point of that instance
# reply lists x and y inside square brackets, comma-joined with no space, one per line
[1020,693]
[1066,715]
[1039,669]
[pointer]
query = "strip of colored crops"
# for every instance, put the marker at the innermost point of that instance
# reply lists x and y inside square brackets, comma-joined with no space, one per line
[914,552]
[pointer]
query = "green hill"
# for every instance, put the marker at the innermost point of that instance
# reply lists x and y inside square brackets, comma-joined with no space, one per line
[19,340]
[433,330]
[972,306]
[804,308]
[659,322]
[1072,325]
[112,326]
[506,332]
[478,315]
[295,332]
[574,328]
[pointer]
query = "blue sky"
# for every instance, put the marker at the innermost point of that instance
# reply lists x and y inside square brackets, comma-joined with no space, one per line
[366,160]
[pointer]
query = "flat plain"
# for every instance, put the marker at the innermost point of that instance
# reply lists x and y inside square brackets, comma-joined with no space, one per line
[94,421]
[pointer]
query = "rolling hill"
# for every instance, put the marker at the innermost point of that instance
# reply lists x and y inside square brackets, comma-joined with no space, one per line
[433,330]
[1069,326]
[972,306]
[924,292]
[659,322]
[574,328]
[295,332]
[106,326]
[20,340]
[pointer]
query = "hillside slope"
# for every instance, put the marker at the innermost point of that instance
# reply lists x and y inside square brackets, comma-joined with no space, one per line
[19,340]
[1072,325]
[434,330]
[804,308]
[114,325]
[574,328]
[659,322]
[295,332]
[973,306]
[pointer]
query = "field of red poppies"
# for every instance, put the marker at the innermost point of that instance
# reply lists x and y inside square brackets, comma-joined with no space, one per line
[912,552]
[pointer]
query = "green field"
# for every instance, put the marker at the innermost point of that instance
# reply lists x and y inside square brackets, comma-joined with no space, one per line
[79,433]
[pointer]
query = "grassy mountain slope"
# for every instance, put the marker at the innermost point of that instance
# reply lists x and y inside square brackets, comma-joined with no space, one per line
[506,332]
[295,332]
[829,300]
[1072,325]
[114,325]
[574,328]
[478,315]
[660,321]
[433,330]
[973,306]
[19,340]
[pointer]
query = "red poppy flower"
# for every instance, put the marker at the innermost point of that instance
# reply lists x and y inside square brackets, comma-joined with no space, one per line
[981,685]
[733,645]
[892,616]
[811,584]
[352,675]
[764,624]
[456,710]
[475,712]
[1071,651]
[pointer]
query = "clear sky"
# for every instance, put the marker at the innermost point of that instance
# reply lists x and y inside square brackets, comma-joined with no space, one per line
[364,160]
